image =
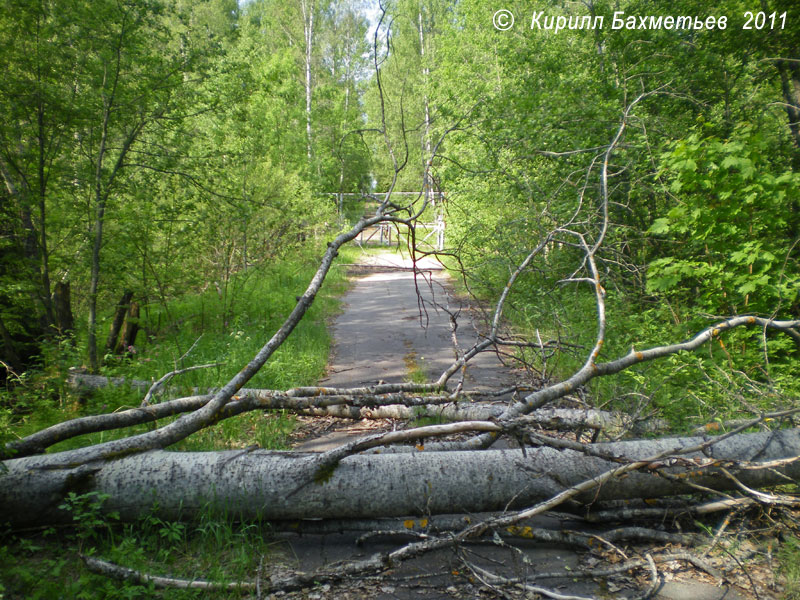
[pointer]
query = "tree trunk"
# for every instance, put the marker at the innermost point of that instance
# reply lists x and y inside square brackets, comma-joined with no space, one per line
[308,7]
[130,329]
[62,304]
[790,86]
[287,485]
[119,318]
[10,356]
[426,134]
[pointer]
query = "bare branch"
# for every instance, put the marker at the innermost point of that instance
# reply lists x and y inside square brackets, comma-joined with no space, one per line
[156,387]
[114,571]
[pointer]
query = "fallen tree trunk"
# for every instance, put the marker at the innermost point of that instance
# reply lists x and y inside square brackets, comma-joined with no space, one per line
[558,419]
[397,405]
[286,485]
[86,382]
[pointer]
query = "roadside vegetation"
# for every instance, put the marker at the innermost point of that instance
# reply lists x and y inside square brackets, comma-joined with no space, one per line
[46,563]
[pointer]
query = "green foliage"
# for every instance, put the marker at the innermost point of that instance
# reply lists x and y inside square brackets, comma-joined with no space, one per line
[226,329]
[702,218]
[86,513]
[158,147]
[730,223]
[423,421]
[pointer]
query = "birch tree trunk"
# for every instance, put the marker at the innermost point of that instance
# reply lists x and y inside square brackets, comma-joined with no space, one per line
[307,7]
[426,134]
[288,485]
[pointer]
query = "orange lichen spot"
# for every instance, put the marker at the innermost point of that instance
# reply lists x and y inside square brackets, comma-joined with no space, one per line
[423,522]
[650,501]
[409,523]
[712,427]
[715,331]
[639,356]
[751,320]
[420,447]
[689,474]
[526,532]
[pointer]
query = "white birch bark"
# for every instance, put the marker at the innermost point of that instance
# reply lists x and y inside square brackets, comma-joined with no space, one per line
[307,7]
[286,485]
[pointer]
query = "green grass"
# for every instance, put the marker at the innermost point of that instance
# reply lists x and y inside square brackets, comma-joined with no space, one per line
[789,560]
[414,371]
[215,547]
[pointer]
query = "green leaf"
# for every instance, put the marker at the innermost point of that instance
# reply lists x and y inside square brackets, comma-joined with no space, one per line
[659,226]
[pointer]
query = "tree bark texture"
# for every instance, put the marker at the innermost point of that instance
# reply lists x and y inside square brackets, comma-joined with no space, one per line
[288,485]
[790,86]
[129,329]
[62,304]
[119,318]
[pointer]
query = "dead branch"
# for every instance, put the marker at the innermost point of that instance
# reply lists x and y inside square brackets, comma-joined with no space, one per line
[638,563]
[492,579]
[114,571]
[156,387]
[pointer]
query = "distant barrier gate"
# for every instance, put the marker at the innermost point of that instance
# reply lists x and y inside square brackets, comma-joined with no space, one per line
[390,234]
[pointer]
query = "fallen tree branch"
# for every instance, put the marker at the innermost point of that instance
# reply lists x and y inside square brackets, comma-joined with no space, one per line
[637,563]
[246,400]
[558,419]
[592,369]
[344,403]
[439,524]
[489,579]
[84,381]
[114,571]
[646,512]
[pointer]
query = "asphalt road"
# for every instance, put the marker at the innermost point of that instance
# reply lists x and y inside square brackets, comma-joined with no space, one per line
[392,318]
